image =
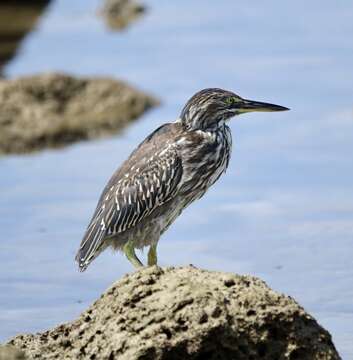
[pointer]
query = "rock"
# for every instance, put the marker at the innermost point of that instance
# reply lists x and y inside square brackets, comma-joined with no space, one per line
[186,313]
[53,110]
[11,353]
[119,13]
[26,13]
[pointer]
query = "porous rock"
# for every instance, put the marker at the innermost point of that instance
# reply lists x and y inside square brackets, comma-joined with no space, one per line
[51,110]
[186,313]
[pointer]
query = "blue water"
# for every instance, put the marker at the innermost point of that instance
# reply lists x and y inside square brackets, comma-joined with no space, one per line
[283,211]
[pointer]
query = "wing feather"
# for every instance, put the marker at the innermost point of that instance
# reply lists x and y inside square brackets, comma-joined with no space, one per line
[129,199]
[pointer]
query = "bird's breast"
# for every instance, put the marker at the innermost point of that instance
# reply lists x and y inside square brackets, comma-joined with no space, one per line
[205,156]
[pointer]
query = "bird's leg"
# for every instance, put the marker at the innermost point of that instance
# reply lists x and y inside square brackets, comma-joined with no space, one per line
[129,251]
[152,255]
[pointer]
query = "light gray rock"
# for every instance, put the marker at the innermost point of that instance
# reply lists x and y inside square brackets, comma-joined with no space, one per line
[186,313]
[53,110]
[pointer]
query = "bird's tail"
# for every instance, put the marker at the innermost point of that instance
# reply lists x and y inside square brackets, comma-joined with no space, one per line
[82,265]
[91,245]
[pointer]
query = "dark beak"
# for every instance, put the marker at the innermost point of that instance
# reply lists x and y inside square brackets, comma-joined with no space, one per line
[249,105]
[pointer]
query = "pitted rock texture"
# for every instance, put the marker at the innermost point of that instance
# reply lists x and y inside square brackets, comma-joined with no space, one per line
[53,110]
[186,313]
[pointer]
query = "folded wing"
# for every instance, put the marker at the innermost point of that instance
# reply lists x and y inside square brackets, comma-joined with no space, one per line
[146,181]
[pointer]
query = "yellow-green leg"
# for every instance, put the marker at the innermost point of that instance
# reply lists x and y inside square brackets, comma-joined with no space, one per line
[152,255]
[129,251]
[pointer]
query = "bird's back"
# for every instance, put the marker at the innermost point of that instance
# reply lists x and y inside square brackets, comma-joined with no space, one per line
[146,155]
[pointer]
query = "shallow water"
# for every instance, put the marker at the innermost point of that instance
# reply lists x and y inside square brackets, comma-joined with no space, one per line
[284,210]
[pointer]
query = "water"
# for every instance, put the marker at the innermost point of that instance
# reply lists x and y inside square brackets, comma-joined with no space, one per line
[284,210]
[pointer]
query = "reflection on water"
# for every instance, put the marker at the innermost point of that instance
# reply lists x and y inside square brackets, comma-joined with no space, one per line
[282,212]
[17,18]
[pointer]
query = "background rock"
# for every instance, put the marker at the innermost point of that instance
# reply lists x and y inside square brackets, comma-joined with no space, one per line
[119,13]
[54,109]
[186,313]
[26,13]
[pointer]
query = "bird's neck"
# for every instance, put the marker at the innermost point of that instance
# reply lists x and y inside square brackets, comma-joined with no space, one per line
[215,134]
[196,124]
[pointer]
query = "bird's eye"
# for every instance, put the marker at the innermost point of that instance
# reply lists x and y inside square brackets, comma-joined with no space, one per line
[231,100]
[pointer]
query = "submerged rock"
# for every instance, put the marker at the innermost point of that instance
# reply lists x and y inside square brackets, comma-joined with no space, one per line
[54,110]
[119,13]
[186,313]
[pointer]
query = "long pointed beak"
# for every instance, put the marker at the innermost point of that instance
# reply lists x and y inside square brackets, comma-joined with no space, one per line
[250,105]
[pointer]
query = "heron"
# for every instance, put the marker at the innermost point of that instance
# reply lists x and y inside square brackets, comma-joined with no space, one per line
[175,165]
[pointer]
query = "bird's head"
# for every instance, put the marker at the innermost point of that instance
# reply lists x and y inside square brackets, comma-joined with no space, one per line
[209,108]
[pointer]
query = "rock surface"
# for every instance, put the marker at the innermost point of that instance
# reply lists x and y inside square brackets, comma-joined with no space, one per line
[186,313]
[52,110]
[119,13]
[11,353]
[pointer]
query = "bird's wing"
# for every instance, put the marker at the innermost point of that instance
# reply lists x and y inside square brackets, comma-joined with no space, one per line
[147,180]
